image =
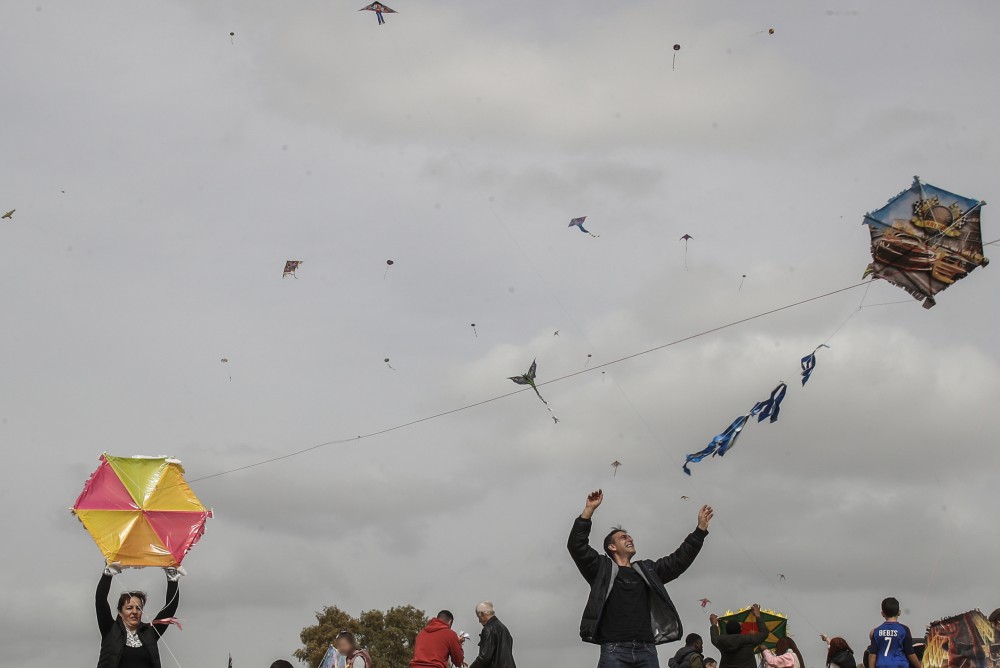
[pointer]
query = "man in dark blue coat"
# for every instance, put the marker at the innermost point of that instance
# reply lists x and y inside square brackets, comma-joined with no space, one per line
[629,612]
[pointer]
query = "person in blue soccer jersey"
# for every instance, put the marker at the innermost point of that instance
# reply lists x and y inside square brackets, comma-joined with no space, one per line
[891,643]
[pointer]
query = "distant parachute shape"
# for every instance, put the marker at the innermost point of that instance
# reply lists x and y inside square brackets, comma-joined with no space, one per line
[578,222]
[290,268]
[925,239]
[379,9]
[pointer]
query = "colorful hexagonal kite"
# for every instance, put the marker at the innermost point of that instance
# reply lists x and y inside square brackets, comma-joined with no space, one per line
[140,511]
[776,624]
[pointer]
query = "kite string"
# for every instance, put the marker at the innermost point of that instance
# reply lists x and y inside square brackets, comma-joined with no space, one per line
[483,402]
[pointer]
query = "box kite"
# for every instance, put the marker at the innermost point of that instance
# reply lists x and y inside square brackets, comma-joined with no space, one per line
[141,512]
[925,239]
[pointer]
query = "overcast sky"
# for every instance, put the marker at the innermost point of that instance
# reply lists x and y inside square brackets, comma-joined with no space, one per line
[162,174]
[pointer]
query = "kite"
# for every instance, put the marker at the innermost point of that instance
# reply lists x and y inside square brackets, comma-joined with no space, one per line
[388,263]
[740,289]
[224,360]
[615,464]
[578,222]
[9,214]
[141,512]
[589,356]
[677,47]
[968,640]
[809,363]
[925,239]
[232,37]
[685,498]
[290,268]
[529,379]
[769,31]
[555,333]
[686,238]
[724,442]
[775,623]
[386,360]
[379,9]
[474,330]
[704,602]
[781,576]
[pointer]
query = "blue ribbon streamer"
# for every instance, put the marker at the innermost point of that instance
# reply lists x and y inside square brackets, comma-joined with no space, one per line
[809,363]
[724,442]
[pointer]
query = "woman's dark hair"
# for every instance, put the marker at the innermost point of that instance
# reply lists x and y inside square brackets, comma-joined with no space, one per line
[281,663]
[837,645]
[785,644]
[129,595]
[733,628]
[350,638]
[995,616]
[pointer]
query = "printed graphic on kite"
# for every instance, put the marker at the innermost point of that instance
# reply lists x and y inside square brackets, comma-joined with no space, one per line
[963,641]
[578,222]
[379,9]
[925,239]
[141,512]
[291,266]
[775,623]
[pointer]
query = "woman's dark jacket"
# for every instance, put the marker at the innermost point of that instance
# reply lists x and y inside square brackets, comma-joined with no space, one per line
[113,628]
[600,571]
[496,646]
[843,659]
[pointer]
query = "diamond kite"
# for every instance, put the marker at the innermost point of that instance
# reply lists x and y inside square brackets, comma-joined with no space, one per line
[925,239]
[141,512]
[290,267]
[379,9]
[578,222]
[615,464]
[704,602]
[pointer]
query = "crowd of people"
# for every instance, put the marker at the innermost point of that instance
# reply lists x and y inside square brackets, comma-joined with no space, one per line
[628,613]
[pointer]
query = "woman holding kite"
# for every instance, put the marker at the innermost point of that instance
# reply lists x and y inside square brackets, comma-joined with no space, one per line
[126,640]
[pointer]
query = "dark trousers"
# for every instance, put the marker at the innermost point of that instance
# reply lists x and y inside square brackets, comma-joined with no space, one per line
[628,655]
[381,20]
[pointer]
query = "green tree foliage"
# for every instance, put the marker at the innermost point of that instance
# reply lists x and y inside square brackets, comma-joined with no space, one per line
[388,636]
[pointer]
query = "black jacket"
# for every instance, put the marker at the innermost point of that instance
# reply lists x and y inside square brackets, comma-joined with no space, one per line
[843,659]
[113,629]
[687,657]
[600,571]
[496,647]
[737,651]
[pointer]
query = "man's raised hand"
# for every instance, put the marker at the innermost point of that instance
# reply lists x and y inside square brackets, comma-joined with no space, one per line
[705,516]
[593,501]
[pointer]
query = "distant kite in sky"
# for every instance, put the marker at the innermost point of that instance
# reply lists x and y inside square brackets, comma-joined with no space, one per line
[474,330]
[379,9]
[555,333]
[724,442]
[388,263]
[9,214]
[578,222]
[677,47]
[529,379]
[685,498]
[769,31]
[615,464]
[686,238]
[781,576]
[589,356]
[290,267]
[925,239]
[809,363]
[704,602]
[743,278]
[232,38]
[386,360]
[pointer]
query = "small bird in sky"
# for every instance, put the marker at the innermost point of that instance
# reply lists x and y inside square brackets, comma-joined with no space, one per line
[9,214]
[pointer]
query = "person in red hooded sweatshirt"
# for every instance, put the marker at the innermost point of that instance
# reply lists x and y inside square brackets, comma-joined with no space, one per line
[437,643]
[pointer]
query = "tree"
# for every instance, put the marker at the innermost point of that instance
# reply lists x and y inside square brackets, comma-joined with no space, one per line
[388,636]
